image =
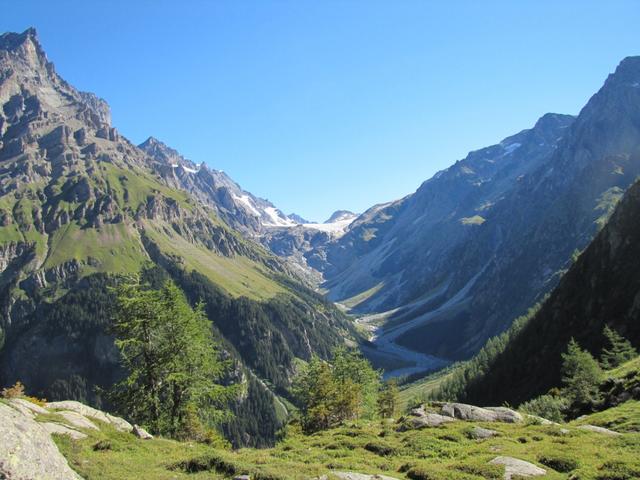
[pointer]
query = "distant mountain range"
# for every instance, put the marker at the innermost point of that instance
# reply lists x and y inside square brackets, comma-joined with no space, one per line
[454,263]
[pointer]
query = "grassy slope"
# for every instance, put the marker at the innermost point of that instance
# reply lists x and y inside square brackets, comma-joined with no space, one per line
[420,389]
[436,453]
[117,248]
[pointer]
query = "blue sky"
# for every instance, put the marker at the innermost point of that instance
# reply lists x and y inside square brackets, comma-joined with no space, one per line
[324,105]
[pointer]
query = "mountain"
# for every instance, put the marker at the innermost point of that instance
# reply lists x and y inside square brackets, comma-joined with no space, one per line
[297,218]
[601,288]
[79,204]
[454,263]
[239,209]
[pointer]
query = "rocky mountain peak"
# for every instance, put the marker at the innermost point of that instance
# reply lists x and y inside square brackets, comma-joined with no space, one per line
[340,215]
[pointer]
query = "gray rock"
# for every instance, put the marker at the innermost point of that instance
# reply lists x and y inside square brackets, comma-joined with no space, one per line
[79,408]
[602,430]
[480,433]
[60,429]
[505,414]
[120,423]
[242,477]
[478,414]
[26,407]
[27,450]
[361,476]
[540,420]
[86,411]
[141,433]
[515,466]
[77,420]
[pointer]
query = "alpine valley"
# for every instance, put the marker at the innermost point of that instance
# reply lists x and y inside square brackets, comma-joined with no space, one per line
[473,288]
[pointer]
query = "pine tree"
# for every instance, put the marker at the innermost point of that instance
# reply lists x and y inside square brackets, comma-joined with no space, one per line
[581,376]
[620,349]
[171,359]
[388,399]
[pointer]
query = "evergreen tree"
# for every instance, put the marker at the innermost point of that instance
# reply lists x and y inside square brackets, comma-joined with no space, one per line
[172,362]
[619,349]
[388,399]
[581,376]
[357,385]
[332,393]
[315,390]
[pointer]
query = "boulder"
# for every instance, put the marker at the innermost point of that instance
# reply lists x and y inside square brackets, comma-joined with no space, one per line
[120,423]
[479,433]
[506,415]
[420,418]
[141,433]
[479,414]
[242,477]
[361,476]
[27,450]
[602,430]
[516,467]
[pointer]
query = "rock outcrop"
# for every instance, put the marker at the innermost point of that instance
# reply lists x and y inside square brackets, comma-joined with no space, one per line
[463,411]
[27,450]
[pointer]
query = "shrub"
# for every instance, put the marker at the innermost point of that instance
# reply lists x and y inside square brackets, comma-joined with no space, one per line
[488,471]
[617,471]
[102,445]
[550,407]
[16,391]
[379,449]
[560,463]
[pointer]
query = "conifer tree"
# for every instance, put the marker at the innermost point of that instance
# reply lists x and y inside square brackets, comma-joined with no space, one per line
[618,350]
[581,376]
[388,399]
[172,362]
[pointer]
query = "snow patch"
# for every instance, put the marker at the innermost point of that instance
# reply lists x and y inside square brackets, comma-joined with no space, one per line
[512,147]
[277,219]
[245,202]
[337,227]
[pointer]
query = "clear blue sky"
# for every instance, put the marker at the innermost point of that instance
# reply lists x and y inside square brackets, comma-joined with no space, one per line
[321,105]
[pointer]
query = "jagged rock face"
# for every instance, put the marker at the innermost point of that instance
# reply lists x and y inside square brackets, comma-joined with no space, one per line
[480,242]
[242,210]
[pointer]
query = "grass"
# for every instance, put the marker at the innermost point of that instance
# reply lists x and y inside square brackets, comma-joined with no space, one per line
[111,248]
[238,275]
[420,389]
[370,447]
[363,296]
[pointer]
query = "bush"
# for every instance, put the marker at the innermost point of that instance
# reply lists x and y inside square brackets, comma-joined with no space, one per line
[560,463]
[379,449]
[550,407]
[16,391]
[617,471]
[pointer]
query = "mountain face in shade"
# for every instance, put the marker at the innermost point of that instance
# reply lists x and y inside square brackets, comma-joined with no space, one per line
[79,203]
[601,288]
[476,245]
